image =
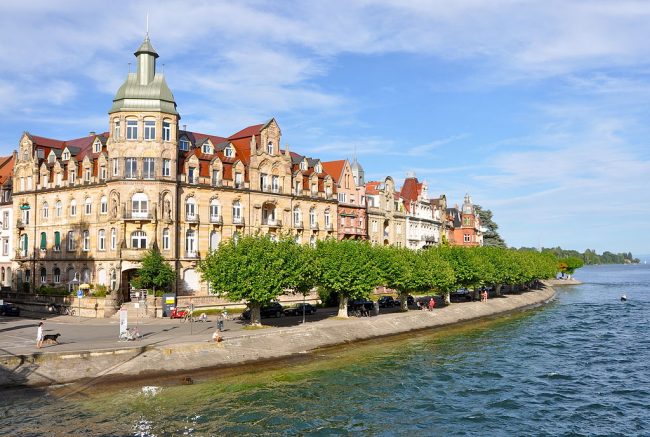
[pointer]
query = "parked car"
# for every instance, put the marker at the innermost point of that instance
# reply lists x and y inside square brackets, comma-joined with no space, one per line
[387,302]
[268,310]
[357,304]
[178,313]
[410,300]
[9,309]
[461,295]
[298,309]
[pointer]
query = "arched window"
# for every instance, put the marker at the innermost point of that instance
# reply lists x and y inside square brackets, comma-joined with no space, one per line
[215,239]
[101,276]
[113,238]
[140,205]
[215,212]
[88,206]
[57,275]
[167,130]
[58,208]
[190,243]
[237,212]
[46,210]
[101,240]
[312,217]
[149,129]
[116,129]
[327,218]
[297,217]
[103,205]
[131,129]
[86,241]
[113,280]
[24,244]
[57,241]
[190,208]
[43,275]
[269,148]
[43,240]
[165,239]
[73,208]
[85,276]
[138,240]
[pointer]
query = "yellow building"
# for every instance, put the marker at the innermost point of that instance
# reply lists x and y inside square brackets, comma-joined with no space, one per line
[87,209]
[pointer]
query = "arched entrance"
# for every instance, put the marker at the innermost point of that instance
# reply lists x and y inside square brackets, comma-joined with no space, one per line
[125,283]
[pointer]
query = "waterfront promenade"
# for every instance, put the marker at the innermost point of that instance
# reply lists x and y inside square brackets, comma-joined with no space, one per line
[89,351]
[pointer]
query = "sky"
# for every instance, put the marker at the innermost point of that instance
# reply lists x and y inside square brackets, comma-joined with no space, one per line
[538,109]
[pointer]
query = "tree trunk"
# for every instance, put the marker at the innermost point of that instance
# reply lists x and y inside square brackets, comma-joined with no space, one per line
[447,297]
[404,301]
[497,289]
[256,318]
[343,306]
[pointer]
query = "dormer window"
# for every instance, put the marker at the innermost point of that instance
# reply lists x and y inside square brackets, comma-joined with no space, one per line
[206,148]
[97,147]
[184,145]
[66,155]
[303,166]
[269,148]
[51,158]
[229,152]
[318,168]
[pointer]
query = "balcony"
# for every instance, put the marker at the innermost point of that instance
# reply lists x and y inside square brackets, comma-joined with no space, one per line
[272,223]
[239,185]
[276,189]
[133,254]
[313,226]
[20,224]
[298,224]
[192,254]
[238,221]
[192,218]
[137,216]
[23,254]
[329,226]
[353,230]
[216,219]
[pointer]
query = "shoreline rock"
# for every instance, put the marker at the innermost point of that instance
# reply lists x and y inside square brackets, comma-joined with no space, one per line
[92,367]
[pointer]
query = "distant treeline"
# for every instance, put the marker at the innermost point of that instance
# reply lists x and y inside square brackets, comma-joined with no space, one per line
[591,257]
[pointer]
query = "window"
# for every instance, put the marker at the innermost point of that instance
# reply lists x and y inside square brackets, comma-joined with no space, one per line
[46,210]
[215,239]
[184,144]
[269,148]
[116,129]
[374,226]
[57,241]
[22,184]
[236,212]
[72,176]
[228,152]
[97,147]
[466,238]
[312,217]
[131,168]
[167,130]
[88,206]
[206,148]
[303,165]
[71,242]
[190,208]
[239,180]
[148,168]
[65,156]
[101,240]
[24,244]
[297,217]
[58,209]
[29,182]
[342,197]
[113,238]
[102,173]
[167,167]
[132,129]
[327,218]
[214,210]
[57,275]
[138,240]
[275,184]
[43,240]
[190,242]
[150,130]
[103,205]
[165,239]
[43,275]
[318,168]
[86,241]
[312,241]
[113,280]
[73,208]
[5,246]
[264,182]
[140,205]
[216,180]
[5,220]
[116,167]
[192,175]
[87,175]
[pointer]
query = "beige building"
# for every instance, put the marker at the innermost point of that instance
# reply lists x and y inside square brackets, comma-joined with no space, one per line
[386,216]
[88,209]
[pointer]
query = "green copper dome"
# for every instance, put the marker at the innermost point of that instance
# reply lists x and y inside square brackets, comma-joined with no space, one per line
[145,90]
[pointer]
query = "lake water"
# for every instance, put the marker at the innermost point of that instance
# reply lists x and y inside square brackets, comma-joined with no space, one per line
[578,366]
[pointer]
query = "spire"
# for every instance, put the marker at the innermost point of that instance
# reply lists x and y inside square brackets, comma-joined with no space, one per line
[146,61]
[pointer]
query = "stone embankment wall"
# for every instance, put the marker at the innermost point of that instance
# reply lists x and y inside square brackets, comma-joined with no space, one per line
[249,346]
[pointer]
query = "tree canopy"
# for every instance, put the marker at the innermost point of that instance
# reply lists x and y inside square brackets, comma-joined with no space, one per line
[491,237]
[155,274]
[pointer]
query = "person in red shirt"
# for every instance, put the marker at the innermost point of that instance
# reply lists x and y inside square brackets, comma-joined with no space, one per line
[432,304]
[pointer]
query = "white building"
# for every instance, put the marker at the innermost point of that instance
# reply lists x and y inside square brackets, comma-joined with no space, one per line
[6,221]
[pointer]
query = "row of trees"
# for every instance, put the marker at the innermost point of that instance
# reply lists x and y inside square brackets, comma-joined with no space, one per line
[590,256]
[258,270]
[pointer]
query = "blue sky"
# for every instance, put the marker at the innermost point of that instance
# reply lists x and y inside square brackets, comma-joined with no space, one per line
[539,110]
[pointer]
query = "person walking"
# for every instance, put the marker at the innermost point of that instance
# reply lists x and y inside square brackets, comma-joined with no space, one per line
[484,296]
[39,335]
[220,323]
[432,304]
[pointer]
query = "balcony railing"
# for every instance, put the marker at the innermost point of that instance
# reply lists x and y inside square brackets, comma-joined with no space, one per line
[298,224]
[239,221]
[276,189]
[329,226]
[192,254]
[216,182]
[216,219]
[314,226]
[239,185]
[192,218]
[131,215]
[272,222]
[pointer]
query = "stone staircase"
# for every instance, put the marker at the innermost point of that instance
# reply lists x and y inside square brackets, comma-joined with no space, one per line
[133,313]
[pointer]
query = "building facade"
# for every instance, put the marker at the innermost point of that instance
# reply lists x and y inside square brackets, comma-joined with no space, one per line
[386,215]
[6,221]
[423,219]
[465,225]
[88,209]
[350,189]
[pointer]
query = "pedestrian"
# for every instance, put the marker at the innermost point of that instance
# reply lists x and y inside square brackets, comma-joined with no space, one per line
[484,296]
[39,335]
[432,304]
[220,323]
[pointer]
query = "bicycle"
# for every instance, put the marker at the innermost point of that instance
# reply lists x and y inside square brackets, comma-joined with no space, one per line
[62,310]
[131,334]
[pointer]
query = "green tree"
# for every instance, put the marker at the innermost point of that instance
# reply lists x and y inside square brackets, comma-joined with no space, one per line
[491,237]
[254,269]
[155,274]
[440,275]
[403,270]
[465,265]
[348,268]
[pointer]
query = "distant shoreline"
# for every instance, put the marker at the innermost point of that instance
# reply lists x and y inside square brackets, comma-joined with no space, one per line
[152,362]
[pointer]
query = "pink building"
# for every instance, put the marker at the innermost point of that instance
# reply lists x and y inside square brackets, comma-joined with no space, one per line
[350,187]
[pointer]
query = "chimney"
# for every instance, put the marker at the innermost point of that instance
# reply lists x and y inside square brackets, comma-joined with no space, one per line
[185,127]
[92,133]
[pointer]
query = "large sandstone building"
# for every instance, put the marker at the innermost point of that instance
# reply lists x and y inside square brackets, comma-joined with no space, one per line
[87,209]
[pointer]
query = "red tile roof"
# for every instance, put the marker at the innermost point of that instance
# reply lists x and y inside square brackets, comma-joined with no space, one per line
[247,132]
[334,168]
[371,187]
[410,191]
[6,168]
